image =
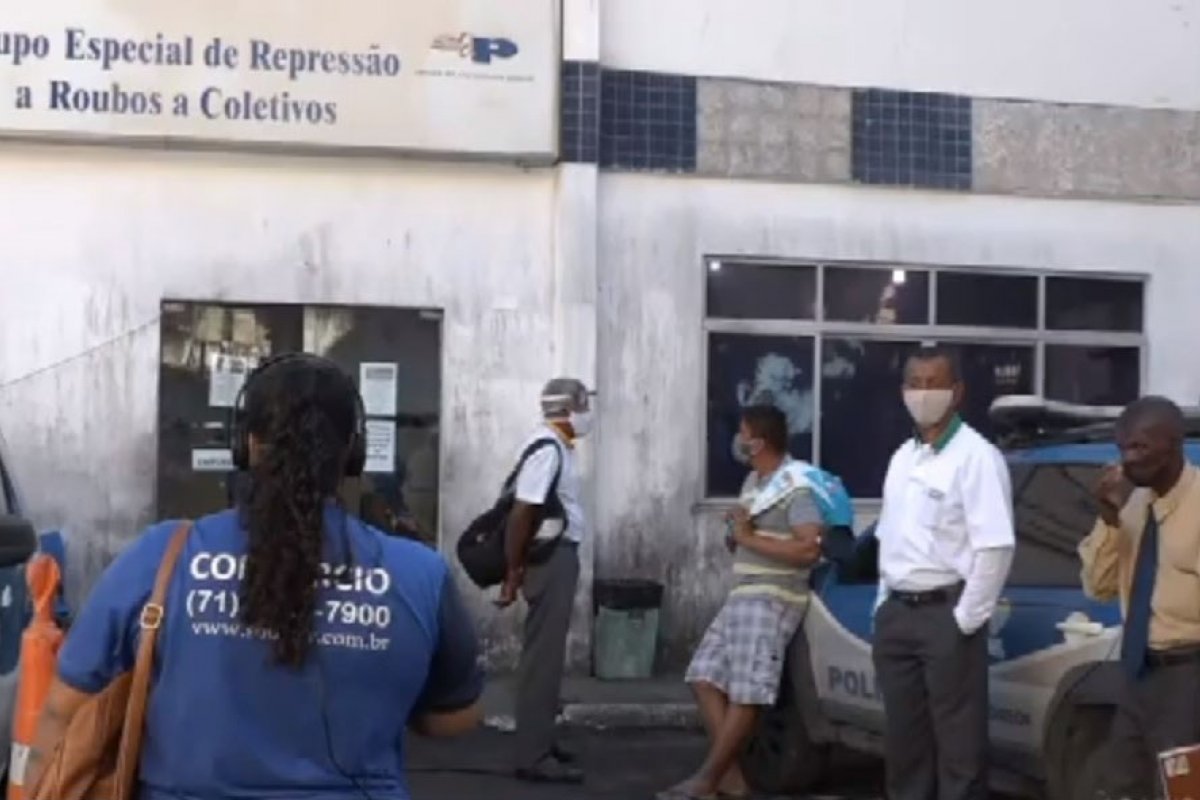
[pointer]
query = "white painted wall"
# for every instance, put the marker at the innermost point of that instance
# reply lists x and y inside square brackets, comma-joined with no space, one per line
[655,232]
[1119,52]
[94,239]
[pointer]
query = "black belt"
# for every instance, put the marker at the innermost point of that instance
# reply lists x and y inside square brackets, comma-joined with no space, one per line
[930,597]
[1173,657]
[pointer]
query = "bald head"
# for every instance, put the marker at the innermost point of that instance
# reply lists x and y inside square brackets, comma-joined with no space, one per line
[1150,433]
[1153,411]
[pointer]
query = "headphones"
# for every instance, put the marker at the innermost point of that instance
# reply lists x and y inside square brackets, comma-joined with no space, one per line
[240,432]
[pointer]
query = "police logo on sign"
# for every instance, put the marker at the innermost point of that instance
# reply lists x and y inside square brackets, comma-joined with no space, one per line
[480,49]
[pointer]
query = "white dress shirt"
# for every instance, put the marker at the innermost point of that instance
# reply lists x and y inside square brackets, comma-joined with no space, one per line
[947,518]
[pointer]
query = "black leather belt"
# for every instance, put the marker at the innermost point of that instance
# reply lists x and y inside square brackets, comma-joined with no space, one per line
[1175,656]
[931,597]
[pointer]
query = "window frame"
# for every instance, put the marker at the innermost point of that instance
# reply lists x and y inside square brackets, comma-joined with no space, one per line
[818,328]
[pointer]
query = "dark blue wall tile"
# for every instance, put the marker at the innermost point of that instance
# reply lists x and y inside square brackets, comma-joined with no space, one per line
[580,128]
[647,121]
[911,139]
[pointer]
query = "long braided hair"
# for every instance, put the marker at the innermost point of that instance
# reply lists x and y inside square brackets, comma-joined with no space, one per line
[300,416]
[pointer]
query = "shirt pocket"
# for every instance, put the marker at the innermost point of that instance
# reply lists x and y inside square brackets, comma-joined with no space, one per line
[1182,553]
[931,501]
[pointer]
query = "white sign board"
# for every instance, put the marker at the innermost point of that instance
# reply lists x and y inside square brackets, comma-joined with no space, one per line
[381,446]
[212,460]
[377,384]
[474,77]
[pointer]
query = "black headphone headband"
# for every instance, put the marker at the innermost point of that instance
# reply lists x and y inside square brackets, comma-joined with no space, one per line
[240,435]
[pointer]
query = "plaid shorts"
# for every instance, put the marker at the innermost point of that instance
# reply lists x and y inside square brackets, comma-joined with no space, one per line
[742,652]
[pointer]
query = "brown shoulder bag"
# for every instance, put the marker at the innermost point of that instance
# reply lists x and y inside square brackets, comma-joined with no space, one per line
[98,757]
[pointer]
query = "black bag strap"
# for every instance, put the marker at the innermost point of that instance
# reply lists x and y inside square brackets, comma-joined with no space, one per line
[534,446]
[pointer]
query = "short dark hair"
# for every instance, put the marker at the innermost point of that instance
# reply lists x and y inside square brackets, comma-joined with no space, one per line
[769,424]
[1152,409]
[932,352]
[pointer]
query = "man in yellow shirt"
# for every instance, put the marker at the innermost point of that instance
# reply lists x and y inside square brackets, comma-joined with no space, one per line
[1145,549]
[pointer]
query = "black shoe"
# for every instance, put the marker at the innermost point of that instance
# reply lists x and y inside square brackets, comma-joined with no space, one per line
[550,770]
[562,755]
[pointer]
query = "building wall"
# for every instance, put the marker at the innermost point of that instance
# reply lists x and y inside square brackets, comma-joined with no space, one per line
[1142,53]
[656,232]
[1065,136]
[96,238]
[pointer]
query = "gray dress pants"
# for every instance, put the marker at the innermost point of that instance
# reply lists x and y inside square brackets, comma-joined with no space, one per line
[934,681]
[549,591]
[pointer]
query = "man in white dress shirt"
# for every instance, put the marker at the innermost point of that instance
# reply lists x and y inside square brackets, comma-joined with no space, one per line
[945,547]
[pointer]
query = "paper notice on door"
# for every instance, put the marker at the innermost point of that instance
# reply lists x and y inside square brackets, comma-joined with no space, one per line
[226,376]
[211,460]
[377,383]
[381,446]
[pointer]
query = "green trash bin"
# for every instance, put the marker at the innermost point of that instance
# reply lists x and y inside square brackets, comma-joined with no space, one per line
[626,630]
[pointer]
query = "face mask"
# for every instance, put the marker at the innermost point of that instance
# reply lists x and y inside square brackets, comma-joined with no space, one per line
[581,423]
[743,451]
[928,406]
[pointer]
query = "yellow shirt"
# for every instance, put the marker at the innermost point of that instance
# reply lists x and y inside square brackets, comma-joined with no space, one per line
[1108,556]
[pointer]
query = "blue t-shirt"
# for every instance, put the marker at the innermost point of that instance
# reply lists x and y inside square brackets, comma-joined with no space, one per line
[225,721]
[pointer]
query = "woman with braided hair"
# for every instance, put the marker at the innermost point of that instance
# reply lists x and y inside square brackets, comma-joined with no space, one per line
[298,644]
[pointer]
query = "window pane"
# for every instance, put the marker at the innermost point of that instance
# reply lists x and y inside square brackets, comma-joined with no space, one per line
[994,301]
[761,291]
[744,370]
[1107,376]
[883,296]
[1053,510]
[989,371]
[1093,304]
[863,419]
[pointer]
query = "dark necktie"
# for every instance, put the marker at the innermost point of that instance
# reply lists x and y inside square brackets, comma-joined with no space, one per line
[1135,640]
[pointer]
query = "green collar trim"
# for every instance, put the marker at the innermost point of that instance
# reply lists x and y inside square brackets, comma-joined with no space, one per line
[940,443]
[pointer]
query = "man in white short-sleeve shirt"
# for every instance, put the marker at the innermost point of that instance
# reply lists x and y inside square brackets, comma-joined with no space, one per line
[945,547]
[545,528]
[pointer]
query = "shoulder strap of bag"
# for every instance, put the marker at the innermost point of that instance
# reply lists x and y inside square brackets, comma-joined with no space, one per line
[533,447]
[153,614]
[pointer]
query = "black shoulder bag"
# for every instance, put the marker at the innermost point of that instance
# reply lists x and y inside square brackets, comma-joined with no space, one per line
[481,545]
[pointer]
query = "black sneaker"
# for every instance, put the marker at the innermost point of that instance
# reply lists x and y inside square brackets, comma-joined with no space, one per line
[562,755]
[550,770]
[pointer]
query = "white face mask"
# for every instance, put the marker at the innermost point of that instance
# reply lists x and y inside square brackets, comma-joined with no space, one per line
[928,406]
[581,423]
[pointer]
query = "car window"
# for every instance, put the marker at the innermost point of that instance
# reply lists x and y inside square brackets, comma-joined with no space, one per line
[1054,510]
[7,492]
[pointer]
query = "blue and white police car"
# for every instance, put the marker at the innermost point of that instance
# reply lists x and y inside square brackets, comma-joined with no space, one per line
[1053,675]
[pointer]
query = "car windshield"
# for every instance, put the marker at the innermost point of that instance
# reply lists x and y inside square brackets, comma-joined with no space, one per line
[1053,510]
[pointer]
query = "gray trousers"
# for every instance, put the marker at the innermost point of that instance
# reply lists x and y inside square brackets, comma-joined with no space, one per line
[1159,711]
[549,591]
[934,682]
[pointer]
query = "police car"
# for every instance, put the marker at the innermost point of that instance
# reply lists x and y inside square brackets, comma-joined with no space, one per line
[1053,650]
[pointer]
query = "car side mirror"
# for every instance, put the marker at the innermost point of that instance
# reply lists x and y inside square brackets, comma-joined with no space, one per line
[18,541]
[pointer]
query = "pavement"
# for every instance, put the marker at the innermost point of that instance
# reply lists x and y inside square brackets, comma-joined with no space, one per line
[624,764]
[634,738]
[598,704]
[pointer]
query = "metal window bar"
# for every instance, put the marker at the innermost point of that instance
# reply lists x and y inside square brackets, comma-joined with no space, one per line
[819,329]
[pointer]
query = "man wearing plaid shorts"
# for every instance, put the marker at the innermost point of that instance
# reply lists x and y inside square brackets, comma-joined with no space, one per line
[775,537]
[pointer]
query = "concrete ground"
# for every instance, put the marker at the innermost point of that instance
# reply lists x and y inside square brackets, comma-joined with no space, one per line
[634,739]
[621,764]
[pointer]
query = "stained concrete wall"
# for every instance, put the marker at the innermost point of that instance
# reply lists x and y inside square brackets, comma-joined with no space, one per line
[655,233]
[1115,52]
[96,238]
